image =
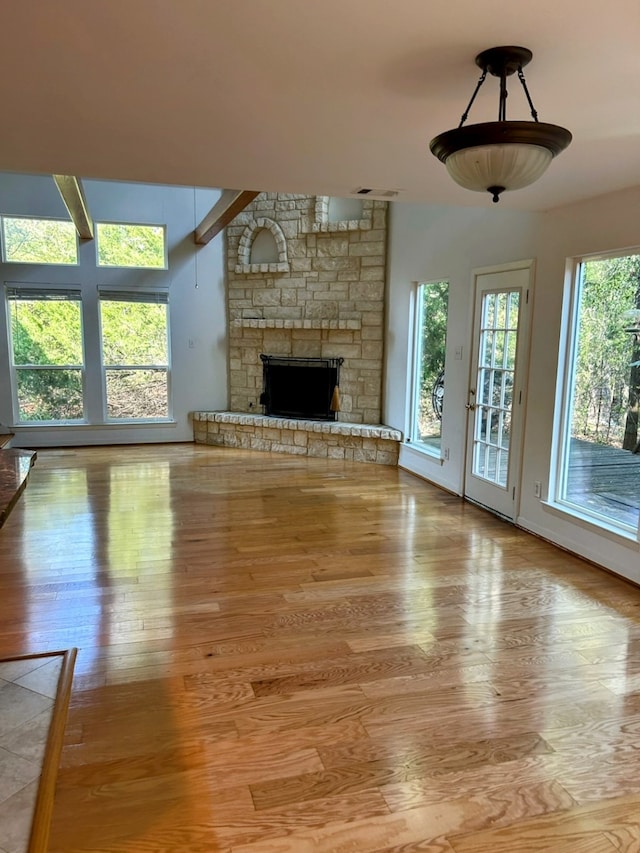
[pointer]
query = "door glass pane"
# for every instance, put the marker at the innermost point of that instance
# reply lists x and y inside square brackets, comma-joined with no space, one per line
[600,465]
[499,352]
[486,349]
[494,387]
[508,391]
[496,391]
[430,346]
[482,392]
[489,313]
[510,349]
[495,435]
[501,311]
[491,463]
[514,310]
[484,424]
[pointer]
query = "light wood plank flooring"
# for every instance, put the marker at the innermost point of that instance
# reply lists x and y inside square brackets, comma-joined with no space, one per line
[292,655]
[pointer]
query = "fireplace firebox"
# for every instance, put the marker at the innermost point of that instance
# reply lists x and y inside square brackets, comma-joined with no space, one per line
[300,387]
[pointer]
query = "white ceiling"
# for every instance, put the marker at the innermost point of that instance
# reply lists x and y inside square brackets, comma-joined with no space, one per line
[319,96]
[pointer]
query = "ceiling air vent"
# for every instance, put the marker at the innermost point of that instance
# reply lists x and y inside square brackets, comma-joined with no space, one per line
[376,193]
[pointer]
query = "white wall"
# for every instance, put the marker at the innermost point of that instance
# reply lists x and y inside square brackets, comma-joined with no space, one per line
[432,243]
[197,314]
[428,243]
[603,224]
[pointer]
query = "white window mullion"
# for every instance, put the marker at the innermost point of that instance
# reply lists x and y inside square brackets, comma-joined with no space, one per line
[95,406]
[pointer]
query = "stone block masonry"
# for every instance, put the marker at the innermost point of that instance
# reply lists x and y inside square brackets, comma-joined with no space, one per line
[324,439]
[321,295]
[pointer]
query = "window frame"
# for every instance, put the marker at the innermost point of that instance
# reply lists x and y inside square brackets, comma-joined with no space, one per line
[155,296]
[103,266]
[5,216]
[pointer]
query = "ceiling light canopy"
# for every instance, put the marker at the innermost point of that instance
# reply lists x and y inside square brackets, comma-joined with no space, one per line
[500,155]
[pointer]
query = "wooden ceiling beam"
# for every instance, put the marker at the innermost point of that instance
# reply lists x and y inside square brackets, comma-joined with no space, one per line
[228,206]
[70,189]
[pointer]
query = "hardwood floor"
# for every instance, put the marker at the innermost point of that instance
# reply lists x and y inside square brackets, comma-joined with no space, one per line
[293,655]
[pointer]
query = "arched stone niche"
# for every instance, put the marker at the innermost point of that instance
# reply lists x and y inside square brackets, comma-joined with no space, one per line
[256,230]
[326,204]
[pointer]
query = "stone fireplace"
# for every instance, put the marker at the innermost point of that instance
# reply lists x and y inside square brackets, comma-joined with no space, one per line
[320,294]
[306,280]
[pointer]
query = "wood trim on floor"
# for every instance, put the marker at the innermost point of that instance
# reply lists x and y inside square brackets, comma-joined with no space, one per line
[40,828]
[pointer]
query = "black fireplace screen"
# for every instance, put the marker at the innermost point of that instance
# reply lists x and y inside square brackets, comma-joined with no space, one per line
[300,387]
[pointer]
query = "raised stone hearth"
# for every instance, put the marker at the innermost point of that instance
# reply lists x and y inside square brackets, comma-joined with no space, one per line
[329,439]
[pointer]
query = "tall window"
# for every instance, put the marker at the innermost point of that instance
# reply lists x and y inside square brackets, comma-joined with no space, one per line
[26,240]
[599,468]
[47,354]
[429,347]
[135,354]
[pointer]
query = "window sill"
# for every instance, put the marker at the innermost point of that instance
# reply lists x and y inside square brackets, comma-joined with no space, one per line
[85,425]
[432,453]
[616,533]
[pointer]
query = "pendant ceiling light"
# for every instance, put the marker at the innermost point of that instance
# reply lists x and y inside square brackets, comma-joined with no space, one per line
[500,155]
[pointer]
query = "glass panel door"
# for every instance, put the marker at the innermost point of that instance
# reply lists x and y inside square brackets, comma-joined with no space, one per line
[496,393]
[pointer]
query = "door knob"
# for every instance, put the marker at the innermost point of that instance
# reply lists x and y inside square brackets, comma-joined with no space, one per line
[470,406]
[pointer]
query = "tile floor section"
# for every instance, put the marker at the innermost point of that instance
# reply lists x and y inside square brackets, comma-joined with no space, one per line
[27,694]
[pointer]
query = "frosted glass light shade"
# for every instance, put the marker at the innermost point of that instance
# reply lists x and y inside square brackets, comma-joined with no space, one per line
[509,165]
[499,155]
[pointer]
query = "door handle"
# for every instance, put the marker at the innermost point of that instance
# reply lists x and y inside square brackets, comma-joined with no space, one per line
[470,406]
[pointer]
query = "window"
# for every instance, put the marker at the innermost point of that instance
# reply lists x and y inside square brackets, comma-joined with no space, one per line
[47,354]
[39,241]
[125,245]
[428,375]
[134,341]
[599,466]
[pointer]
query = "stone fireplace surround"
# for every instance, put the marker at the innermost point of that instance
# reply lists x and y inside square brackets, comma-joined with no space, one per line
[320,295]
